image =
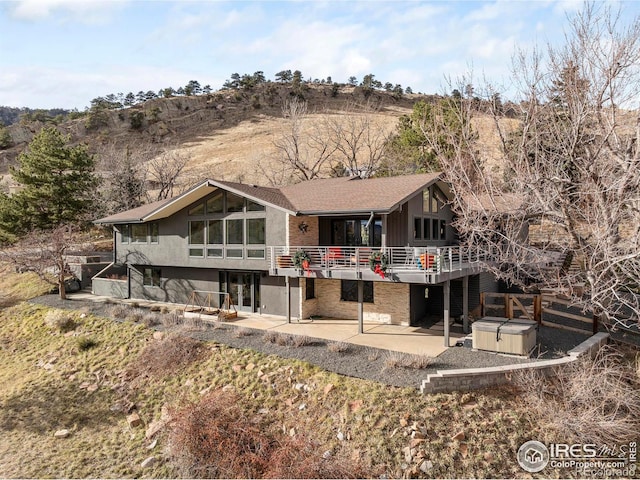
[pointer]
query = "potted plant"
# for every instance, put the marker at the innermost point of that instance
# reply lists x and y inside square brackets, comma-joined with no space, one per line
[379,262]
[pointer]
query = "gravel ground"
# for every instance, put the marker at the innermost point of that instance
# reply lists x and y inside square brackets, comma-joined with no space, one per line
[360,362]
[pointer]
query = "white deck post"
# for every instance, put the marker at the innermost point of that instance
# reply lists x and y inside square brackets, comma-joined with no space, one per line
[465,304]
[360,306]
[447,307]
[288,285]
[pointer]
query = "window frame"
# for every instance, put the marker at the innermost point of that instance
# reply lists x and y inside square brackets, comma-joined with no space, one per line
[154,275]
[349,291]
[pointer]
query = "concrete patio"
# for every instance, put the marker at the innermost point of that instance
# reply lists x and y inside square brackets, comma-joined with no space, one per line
[415,340]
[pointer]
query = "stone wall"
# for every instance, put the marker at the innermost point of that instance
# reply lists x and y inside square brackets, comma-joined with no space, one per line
[391,303]
[475,378]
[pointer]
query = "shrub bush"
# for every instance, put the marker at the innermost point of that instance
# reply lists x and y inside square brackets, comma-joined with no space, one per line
[86,343]
[60,320]
[214,438]
[588,401]
[167,355]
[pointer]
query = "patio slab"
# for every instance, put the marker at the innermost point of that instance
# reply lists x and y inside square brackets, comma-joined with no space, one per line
[415,340]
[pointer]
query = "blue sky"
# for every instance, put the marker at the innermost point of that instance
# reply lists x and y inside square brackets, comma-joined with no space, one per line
[63,53]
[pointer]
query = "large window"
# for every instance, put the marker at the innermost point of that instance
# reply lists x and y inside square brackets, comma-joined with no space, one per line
[235,232]
[140,233]
[349,291]
[230,228]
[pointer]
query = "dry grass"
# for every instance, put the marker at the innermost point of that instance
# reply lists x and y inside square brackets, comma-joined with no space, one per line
[166,356]
[61,320]
[394,359]
[240,332]
[588,401]
[119,311]
[338,347]
[215,438]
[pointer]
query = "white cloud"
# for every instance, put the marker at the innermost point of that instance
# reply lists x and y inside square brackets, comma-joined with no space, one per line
[85,11]
[38,87]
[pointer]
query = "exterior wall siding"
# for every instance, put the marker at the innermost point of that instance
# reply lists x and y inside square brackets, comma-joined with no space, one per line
[391,303]
[173,249]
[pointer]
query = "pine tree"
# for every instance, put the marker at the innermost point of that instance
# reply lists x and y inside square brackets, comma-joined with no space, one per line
[58,184]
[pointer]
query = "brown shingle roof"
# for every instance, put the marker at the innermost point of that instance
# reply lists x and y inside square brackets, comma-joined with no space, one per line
[135,214]
[342,195]
[321,196]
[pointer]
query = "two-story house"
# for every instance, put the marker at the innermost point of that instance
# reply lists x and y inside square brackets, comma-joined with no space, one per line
[375,249]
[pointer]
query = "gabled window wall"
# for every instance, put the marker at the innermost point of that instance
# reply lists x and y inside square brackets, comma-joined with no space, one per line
[227,226]
[430,226]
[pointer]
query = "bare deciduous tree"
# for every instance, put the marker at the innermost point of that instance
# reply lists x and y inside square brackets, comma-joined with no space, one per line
[45,253]
[360,138]
[304,149]
[164,170]
[572,168]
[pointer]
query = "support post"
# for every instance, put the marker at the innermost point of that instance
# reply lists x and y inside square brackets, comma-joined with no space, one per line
[465,304]
[360,306]
[287,282]
[447,307]
[595,323]
[482,304]
[537,309]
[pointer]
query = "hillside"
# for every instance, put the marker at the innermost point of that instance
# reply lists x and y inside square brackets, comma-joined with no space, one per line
[85,374]
[223,132]
[227,133]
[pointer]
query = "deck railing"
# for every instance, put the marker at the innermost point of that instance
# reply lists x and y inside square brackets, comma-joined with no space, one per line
[432,260]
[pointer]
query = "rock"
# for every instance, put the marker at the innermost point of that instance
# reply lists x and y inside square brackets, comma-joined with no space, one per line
[488,456]
[116,408]
[134,420]
[48,366]
[84,385]
[404,422]
[260,374]
[64,433]
[153,428]
[464,450]
[426,466]
[206,390]
[458,436]
[189,382]
[165,413]
[326,454]
[263,411]
[153,444]
[470,406]
[236,368]
[418,435]
[158,335]
[83,315]
[299,386]
[340,436]
[393,433]
[227,388]
[148,462]
[328,388]
[302,406]
[355,405]
[416,441]
[292,432]
[407,454]
[92,388]
[250,366]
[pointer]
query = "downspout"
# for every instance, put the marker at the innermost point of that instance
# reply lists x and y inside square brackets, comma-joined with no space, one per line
[115,256]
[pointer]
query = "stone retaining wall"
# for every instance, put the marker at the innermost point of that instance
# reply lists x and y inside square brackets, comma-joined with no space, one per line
[474,378]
